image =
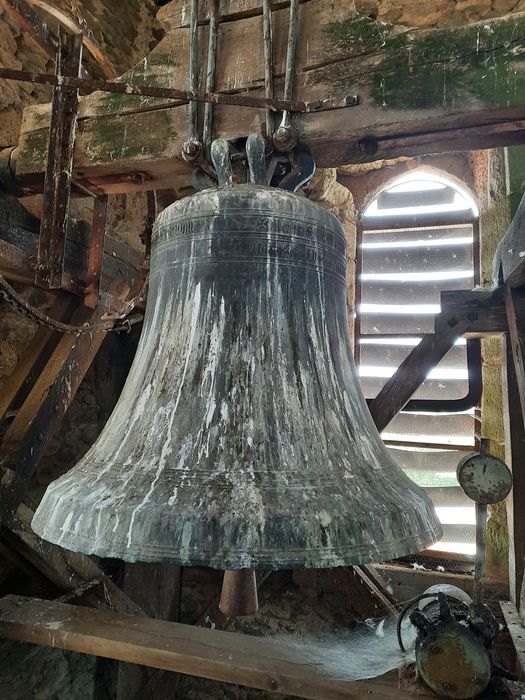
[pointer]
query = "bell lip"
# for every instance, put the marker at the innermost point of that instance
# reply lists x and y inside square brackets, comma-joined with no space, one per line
[321,558]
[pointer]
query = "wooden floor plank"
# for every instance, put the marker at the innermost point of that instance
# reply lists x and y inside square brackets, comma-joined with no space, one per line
[223,656]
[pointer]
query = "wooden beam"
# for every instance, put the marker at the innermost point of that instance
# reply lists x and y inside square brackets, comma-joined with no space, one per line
[40,415]
[515,305]
[57,182]
[68,571]
[44,341]
[517,633]
[470,313]
[156,588]
[18,249]
[223,656]
[515,459]
[509,261]
[420,91]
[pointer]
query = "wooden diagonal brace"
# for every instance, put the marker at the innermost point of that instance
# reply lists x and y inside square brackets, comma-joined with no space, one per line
[57,183]
[41,413]
[473,313]
[65,570]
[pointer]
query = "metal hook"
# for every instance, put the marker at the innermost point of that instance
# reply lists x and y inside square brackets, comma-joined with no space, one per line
[220,157]
[255,153]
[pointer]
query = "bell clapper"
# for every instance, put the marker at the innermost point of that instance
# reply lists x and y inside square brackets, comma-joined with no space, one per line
[239,593]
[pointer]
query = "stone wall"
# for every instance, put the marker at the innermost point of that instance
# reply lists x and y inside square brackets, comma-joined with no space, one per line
[125,29]
[437,13]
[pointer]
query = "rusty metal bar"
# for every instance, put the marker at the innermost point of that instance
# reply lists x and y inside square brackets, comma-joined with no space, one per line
[244,99]
[192,147]
[286,137]
[96,251]
[213,28]
[57,183]
[292,46]
[268,62]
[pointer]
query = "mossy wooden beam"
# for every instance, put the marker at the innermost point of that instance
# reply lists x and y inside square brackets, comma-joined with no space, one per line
[420,91]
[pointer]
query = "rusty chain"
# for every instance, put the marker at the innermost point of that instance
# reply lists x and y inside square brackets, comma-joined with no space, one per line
[26,309]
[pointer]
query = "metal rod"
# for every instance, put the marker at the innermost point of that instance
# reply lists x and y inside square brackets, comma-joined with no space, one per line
[481,536]
[285,137]
[194,69]
[96,251]
[237,100]
[268,62]
[290,54]
[481,532]
[210,71]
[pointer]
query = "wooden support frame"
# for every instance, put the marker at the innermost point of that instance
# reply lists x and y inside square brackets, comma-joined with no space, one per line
[57,182]
[129,142]
[61,310]
[224,656]
[39,417]
[68,571]
[472,314]
[19,245]
[514,457]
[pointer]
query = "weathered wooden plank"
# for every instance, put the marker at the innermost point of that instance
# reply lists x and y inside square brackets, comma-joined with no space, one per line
[176,14]
[454,425]
[517,633]
[416,87]
[76,27]
[451,496]
[57,181]
[453,257]
[444,461]
[429,390]
[224,656]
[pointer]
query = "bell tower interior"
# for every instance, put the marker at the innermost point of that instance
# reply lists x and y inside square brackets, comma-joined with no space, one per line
[262,356]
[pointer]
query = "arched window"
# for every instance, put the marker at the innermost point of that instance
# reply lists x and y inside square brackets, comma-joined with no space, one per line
[419,237]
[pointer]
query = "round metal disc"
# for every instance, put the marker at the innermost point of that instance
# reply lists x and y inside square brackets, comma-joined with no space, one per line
[453,662]
[484,478]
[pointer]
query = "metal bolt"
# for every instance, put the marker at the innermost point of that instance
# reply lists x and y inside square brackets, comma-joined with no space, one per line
[285,138]
[191,150]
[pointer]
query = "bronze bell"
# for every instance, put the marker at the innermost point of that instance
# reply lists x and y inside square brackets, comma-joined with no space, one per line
[242,438]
